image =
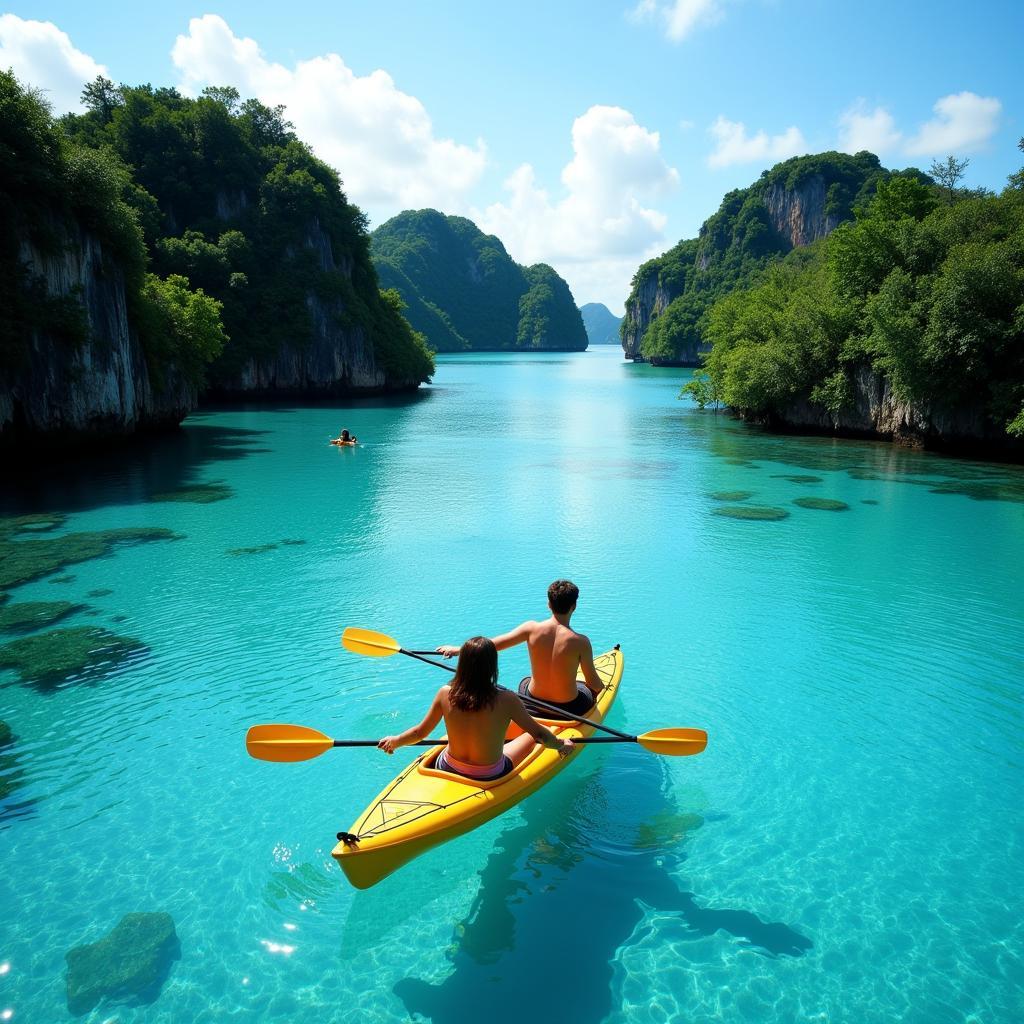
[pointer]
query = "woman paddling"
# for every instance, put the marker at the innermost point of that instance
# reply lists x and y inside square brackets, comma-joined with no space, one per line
[346,438]
[477,714]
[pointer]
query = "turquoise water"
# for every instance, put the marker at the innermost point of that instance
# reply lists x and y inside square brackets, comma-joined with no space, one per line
[848,848]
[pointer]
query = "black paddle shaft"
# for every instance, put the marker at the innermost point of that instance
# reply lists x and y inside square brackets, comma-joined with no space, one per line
[559,712]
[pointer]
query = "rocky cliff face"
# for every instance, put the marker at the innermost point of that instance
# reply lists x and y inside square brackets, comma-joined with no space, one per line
[99,389]
[799,215]
[877,413]
[648,299]
[338,360]
[795,203]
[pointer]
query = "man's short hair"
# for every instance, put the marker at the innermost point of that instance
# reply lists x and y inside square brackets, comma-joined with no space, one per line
[562,596]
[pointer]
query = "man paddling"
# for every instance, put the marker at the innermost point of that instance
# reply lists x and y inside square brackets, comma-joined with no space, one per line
[557,653]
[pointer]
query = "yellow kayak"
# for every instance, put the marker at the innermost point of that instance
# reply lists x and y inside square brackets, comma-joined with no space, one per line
[422,808]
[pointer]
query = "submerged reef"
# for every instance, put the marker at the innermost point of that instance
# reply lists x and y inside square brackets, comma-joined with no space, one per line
[200,494]
[85,652]
[129,964]
[12,776]
[258,550]
[731,495]
[761,512]
[40,522]
[24,560]
[27,615]
[825,504]
[797,478]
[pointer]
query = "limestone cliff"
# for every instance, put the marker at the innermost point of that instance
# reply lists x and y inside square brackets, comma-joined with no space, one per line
[876,412]
[63,392]
[796,203]
[335,358]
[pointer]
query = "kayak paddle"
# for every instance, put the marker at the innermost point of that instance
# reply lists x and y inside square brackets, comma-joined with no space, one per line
[380,645]
[284,743]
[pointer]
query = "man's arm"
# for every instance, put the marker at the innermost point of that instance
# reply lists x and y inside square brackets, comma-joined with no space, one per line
[389,744]
[541,733]
[519,635]
[594,682]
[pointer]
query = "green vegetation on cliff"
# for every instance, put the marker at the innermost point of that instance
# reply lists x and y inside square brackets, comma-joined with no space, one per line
[52,188]
[232,202]
[809,195]
[463,291]
[925,288]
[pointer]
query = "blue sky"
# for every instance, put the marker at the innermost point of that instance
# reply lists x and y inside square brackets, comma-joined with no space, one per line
[588,135]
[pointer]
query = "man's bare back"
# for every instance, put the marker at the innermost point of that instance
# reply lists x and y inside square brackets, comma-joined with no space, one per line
[557,651]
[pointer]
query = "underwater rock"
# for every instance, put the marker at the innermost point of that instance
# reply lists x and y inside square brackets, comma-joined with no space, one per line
[797,478]
[292,543]
[200,494]
[25,560]
[25,615]
[129,964]
[731,495]
[258,550]
[48,659]
[100,592]
[12,776]
[69,578]
[750,512]
[825,504]
[40,522]
[868,501]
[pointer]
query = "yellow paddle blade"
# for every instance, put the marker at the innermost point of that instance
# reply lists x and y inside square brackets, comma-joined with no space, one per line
[675,742]
[286,742]
[369,642]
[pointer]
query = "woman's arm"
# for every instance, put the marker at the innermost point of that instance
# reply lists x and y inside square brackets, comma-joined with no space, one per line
[389,744]
[529,724]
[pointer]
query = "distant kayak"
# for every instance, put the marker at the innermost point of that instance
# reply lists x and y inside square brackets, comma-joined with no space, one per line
[344,444]
[422,807]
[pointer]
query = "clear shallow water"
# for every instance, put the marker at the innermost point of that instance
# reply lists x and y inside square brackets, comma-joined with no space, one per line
[849,847]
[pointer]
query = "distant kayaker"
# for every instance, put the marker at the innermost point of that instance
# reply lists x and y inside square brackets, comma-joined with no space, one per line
[476,716]
[345,438]
[557,653]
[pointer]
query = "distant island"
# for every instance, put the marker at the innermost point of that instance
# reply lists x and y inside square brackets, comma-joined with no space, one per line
[462,291]
[601,324]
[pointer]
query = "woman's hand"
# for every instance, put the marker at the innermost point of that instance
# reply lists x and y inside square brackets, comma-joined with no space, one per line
[565,748]
[448,651]
[389,744]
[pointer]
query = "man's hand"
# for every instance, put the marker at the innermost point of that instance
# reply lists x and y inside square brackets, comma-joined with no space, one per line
[565,748]
[448,651]
[388,744]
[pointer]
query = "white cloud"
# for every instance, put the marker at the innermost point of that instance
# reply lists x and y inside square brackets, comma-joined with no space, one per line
[873,130]
[680,18]
[379,138]
[734,146]
[965,122]
[44,57]
[600,229]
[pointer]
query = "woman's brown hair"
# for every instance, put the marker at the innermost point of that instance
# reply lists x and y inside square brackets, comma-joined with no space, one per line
[475,684]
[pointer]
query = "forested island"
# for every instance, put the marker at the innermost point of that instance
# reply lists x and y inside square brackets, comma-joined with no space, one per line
[463,291]
[892,305]
[159,248]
